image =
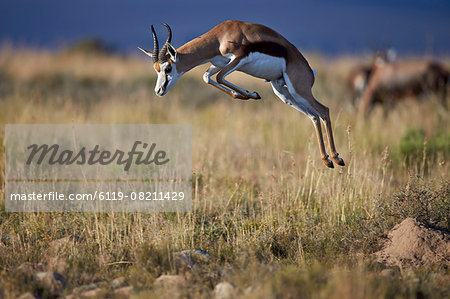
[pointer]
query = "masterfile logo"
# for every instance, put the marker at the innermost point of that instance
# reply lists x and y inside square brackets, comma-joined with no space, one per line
[95,155]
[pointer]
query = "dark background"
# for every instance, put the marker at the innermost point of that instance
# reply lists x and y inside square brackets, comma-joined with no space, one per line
[331,27]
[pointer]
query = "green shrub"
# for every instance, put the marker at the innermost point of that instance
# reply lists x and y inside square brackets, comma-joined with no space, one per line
[411,144]
[414,144]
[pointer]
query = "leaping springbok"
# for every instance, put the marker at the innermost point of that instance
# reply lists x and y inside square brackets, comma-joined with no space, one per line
[253,49]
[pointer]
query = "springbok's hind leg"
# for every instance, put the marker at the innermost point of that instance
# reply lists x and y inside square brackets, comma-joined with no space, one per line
[283,93]
[324,113]
[334,153]
[325,116]
[317,125]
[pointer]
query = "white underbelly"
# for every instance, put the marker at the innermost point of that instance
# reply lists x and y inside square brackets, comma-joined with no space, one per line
[263,66]
[221,61]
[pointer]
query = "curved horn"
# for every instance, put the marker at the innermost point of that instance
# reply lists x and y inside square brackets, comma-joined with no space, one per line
[155,46]
[162,54]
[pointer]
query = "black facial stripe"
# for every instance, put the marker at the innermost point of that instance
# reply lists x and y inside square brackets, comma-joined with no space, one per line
[166,82]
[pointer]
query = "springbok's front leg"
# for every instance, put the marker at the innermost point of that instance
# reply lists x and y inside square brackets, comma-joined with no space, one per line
[207,78]
[228,69]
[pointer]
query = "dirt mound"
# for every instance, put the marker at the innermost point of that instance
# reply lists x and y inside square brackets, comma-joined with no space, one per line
[411,243]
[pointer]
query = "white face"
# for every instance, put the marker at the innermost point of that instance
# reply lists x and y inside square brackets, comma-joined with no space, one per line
[167,77]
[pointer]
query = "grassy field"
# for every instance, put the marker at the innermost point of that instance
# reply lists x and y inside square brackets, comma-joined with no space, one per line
[275,221]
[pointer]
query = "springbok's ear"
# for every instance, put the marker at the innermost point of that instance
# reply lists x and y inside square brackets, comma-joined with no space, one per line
[147,52]
[172,52]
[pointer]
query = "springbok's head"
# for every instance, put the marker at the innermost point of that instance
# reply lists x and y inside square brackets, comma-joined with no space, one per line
[164,61]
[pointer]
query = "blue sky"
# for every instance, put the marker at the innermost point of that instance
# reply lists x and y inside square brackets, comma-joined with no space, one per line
[330,27]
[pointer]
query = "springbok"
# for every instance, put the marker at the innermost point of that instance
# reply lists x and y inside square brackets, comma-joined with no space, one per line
[359,76]
[253,49]
[389,81]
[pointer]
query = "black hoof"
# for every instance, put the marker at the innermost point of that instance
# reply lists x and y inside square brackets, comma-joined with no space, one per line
[328,163]
[338,161]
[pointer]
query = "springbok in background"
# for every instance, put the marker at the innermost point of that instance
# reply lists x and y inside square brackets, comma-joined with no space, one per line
[253,49]
[390,81]
[359,76]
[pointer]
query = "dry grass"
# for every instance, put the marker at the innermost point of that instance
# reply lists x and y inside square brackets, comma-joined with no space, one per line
[273,218]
